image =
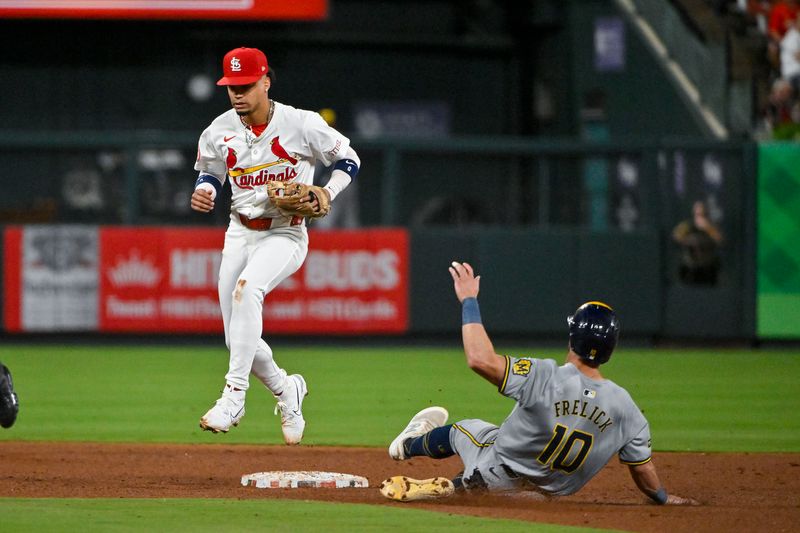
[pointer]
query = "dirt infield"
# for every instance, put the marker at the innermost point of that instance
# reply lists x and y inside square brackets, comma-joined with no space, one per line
[738,492]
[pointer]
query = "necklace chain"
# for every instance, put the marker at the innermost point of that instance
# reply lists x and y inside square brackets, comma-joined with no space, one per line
[251,137]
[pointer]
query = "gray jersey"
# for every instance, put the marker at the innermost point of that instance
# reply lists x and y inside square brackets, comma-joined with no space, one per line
[566,426]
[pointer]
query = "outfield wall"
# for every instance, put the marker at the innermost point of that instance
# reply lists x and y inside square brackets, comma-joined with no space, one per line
[105,279]
[548,223]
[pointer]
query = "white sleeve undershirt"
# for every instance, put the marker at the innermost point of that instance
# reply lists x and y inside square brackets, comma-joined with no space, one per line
[340,179]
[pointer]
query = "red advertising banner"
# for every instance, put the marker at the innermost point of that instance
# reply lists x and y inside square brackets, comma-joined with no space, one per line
[167,9]
[165,280]
[12,278]
[137,285]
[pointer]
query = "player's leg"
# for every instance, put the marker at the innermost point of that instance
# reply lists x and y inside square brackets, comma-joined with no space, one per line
[267,370]
[425,434]
[288,390]
[275,258]
[234,259]
[229,409]
[473,440]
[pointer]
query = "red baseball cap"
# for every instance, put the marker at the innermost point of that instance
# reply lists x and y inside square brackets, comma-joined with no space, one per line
[242,66]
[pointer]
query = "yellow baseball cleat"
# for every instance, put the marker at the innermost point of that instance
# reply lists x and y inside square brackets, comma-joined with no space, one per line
[406,489]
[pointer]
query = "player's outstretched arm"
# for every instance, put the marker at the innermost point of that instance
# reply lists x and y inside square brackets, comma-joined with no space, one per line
[478,348]
[646,478]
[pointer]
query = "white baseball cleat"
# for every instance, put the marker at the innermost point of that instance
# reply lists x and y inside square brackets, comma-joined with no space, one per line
[290,404]
[423,422]
[226,412]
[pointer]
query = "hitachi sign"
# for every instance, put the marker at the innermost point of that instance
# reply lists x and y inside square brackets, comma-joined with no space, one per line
[194,268]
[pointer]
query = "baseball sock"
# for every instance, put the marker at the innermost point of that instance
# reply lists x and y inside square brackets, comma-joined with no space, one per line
[435,443]
[267,370]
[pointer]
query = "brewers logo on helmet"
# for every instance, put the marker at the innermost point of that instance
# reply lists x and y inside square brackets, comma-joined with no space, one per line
[593,332]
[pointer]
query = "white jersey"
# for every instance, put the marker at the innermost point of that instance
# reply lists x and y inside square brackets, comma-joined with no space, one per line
[287,150]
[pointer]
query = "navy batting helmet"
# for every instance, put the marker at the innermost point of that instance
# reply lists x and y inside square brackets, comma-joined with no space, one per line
[593,332]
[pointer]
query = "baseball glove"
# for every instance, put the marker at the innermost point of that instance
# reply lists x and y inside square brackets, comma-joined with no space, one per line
[9,403]
[297,199]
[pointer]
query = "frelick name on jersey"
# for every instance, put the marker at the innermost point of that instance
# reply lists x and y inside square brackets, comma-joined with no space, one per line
[584,410]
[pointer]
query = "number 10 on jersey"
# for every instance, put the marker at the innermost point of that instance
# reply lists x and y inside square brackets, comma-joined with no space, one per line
[558,442]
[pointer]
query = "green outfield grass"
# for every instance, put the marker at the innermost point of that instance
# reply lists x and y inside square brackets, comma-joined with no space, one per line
[197,516]
[703,400]
[698,400]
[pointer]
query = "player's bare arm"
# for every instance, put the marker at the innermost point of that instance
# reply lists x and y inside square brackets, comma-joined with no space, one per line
[202,200]
[646,478]
[478,348]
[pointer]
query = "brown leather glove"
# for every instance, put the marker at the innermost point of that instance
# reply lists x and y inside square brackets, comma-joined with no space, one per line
[297,199]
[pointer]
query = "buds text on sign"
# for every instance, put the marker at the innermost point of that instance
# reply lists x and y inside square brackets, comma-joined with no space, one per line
[356,270]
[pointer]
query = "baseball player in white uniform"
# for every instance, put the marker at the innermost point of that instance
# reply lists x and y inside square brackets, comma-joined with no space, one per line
[256,142]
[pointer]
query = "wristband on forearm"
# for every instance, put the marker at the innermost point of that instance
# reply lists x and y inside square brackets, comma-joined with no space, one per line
[660,496]
[211,180]
[470,312]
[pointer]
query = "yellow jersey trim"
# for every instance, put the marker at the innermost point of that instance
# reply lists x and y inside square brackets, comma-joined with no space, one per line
[636,463]
[503,384]
[236,172]
[473,439]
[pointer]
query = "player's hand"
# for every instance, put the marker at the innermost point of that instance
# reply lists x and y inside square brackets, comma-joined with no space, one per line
[316,205]
[201,201]
[673,499]
[466,283]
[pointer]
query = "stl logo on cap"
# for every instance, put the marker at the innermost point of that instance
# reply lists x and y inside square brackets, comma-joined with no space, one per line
[243,66]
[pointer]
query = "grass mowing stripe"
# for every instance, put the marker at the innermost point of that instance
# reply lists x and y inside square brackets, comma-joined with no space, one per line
[200,515]
[699,400]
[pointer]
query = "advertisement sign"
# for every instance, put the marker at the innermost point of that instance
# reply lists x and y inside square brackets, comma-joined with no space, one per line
[165,280]
[609,44]
[402,119]
[778,293]
[167,9]
[156,279]
[54,269]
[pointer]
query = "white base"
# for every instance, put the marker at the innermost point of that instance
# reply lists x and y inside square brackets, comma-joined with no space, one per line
[303,480]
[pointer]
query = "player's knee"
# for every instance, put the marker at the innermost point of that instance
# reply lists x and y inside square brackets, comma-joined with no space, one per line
[246,293]
[239,290]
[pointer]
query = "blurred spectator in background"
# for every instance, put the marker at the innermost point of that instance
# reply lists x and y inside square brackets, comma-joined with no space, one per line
[781,17]
[758,11]
[699,240]
[790,56]
[782,114]
[345,213]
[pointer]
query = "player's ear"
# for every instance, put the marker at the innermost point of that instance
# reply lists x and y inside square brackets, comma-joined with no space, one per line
[267,83]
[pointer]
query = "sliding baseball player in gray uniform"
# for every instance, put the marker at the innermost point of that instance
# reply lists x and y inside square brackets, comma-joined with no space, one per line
[567,424]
